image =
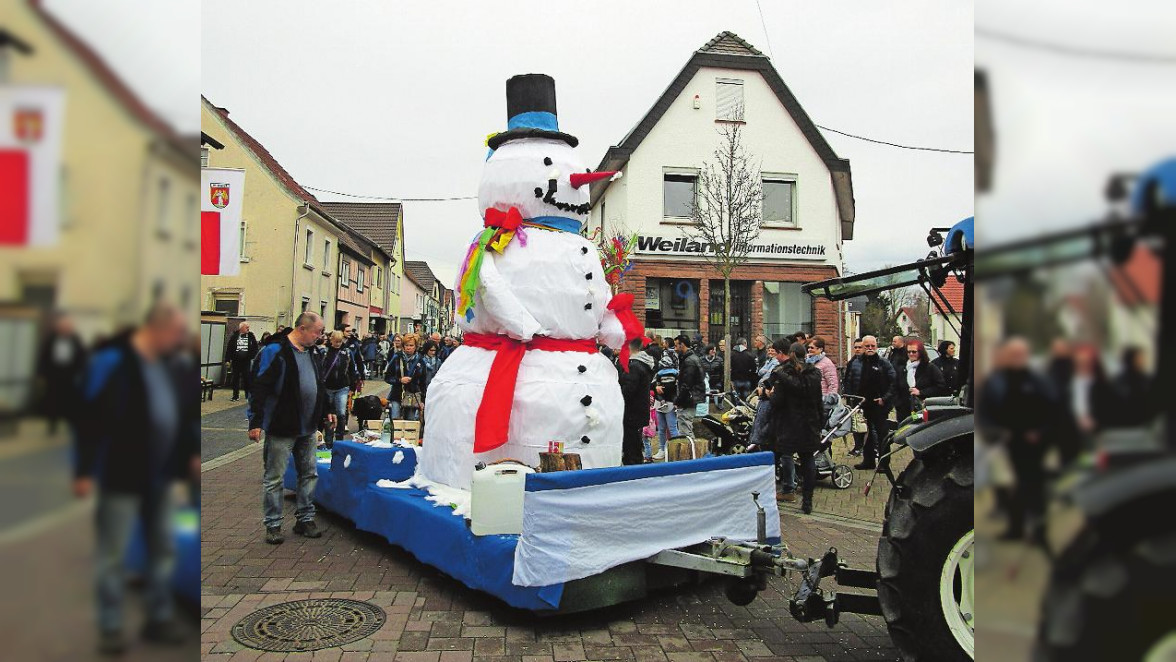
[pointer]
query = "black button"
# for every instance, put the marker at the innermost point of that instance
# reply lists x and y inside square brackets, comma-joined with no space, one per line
[586,400]
[582,368]
[584,250]
[588,276]
[585,439]
[538,192]
[547,160]
[587,306]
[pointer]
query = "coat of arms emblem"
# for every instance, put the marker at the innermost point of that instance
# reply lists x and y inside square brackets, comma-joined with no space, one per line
[219,195]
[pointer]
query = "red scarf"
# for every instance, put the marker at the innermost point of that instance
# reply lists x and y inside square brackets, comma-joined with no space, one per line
[493,422]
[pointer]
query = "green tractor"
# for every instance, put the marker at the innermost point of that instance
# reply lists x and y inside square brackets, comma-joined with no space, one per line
[925,563]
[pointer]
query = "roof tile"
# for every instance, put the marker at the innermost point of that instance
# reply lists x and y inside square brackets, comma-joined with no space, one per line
[729,43]
[376,221]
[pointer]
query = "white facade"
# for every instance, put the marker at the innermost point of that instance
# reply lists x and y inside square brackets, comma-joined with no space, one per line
[412,304]
[943,328]
[685,138]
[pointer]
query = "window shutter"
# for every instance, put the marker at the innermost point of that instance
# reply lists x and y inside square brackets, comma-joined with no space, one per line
[729,99]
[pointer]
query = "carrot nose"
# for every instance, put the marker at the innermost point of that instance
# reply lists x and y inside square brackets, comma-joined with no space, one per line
[581,178]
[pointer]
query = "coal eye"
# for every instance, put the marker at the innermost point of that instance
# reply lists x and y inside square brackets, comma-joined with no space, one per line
[547,160]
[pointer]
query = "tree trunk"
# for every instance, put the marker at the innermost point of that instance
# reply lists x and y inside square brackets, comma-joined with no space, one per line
[727,332]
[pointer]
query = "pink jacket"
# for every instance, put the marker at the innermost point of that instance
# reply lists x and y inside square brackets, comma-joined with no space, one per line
[829,381]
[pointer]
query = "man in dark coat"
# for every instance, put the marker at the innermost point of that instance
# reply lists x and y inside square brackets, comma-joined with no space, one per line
[241,350]
[712,366]
[871,377]
[135,436]
[691,389]
[635,386]
[760,349]
[796,415]
[743,369]
[60,363]
[288,402]
[1025,406]
[949,365]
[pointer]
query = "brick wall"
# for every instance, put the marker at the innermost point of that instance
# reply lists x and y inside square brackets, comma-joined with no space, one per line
[824,311]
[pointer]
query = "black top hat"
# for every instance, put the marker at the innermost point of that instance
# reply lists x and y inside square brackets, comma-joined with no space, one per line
[530,111]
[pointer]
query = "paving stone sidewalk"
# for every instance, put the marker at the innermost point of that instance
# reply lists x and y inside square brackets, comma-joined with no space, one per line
[432,618]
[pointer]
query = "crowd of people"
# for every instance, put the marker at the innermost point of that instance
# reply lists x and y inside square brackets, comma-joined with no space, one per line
[300,383]
[795,383]
[1025,413]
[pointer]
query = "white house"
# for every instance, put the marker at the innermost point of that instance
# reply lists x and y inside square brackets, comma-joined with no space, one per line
[412,302]
[808,201]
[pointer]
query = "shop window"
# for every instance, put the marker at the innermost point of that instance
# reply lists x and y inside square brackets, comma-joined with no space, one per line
[786,309]
[671,304]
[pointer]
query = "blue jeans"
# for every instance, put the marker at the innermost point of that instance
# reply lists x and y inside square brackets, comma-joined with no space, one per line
[337,405]
[396,412]
[667,426]
[808,464]
[685,424]
[742,388]
[116,516]
[277,452]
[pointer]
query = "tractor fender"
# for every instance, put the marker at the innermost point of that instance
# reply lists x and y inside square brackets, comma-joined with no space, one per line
[1116,489]
[937,432]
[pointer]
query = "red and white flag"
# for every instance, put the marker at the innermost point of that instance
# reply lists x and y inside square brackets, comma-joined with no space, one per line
[30,164]
[222,192]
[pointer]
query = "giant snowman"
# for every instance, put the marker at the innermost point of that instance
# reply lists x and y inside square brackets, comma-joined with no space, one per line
[533,302]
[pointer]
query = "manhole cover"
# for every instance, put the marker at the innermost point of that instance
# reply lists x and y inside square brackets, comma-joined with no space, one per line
[307,625]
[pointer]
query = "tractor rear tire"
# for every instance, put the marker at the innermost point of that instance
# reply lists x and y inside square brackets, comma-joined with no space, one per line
[928,516]
[1112,592]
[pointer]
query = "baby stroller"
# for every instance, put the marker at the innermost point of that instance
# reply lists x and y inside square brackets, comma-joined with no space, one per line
[839,411]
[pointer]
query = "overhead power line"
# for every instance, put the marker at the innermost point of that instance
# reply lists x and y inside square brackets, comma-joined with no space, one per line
[890,144]
[1076,51]
[767,39]
[390,198]
[474,197]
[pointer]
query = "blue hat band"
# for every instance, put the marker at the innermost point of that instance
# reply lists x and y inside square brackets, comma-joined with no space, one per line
[535,119]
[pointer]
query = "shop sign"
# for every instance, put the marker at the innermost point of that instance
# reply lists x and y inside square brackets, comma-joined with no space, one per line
[683,246]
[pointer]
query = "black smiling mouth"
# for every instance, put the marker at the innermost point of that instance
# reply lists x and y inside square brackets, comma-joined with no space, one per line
[549,198]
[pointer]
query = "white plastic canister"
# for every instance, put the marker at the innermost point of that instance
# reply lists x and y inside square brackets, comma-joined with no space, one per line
[496,499]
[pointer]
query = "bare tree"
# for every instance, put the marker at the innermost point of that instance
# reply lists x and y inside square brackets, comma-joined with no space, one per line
[726,216]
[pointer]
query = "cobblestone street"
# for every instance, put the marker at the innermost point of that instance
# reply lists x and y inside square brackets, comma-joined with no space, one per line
[434,618]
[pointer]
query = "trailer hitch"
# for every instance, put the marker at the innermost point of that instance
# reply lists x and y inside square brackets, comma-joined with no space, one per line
[811,602]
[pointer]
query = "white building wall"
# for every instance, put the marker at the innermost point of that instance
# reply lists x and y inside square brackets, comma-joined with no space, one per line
[410,309]
[686,137]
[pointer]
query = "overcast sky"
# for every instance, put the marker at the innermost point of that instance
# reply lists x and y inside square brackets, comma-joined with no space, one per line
[396,99]
[1064,123]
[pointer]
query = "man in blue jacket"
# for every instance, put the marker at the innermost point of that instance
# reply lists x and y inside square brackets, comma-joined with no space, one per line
[135,436]
[287,402]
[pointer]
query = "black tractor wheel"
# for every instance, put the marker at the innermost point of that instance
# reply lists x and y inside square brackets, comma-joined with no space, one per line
[1112,592]
[926,557]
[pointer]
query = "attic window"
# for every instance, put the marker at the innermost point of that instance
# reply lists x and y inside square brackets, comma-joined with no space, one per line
[729,99]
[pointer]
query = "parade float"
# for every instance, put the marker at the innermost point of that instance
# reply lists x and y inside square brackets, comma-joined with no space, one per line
[529,389]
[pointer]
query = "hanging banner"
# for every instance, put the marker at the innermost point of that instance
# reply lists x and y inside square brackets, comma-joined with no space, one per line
[222,193]
[31,127]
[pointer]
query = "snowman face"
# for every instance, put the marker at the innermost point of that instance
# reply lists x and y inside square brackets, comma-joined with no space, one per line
[532,175]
